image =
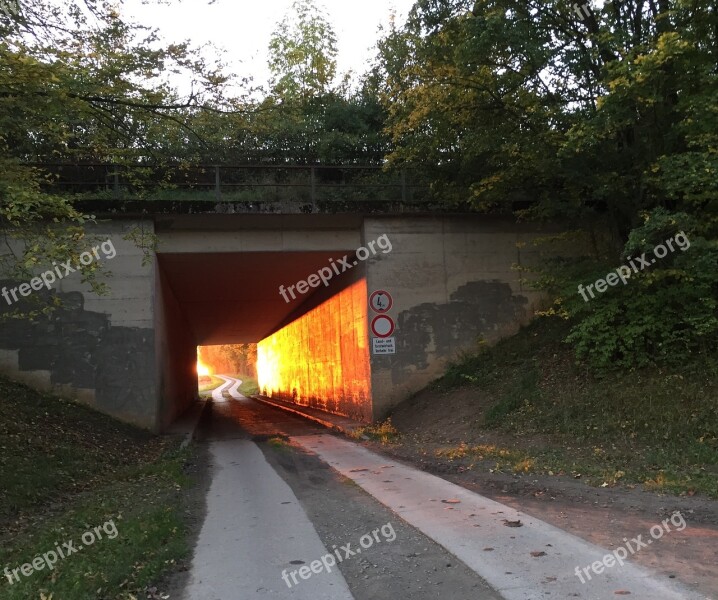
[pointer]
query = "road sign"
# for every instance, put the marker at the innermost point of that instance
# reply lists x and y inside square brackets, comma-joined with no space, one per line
[382,326]
[380,301]
[383,345]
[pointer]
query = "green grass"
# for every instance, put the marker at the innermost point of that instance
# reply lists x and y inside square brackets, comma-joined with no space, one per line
[65,470]
[657,427]
[214,382]
[249,385]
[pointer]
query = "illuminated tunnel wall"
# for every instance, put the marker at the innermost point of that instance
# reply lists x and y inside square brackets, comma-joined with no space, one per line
[322,358]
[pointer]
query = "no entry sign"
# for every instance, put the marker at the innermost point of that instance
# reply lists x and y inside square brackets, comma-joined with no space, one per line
[382,326]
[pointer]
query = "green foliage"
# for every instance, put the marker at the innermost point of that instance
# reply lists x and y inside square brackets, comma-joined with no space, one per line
[528,106]
[303,51]
[664,314]
[29,220]
[80,84]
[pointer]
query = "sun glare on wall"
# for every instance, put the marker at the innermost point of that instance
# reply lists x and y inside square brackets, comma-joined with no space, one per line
[322,358]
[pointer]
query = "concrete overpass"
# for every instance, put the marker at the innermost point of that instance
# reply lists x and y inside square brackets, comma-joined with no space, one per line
[215,279]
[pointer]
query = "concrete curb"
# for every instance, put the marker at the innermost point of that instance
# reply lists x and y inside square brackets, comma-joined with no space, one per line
[327,421]
[187,424]
[190,436]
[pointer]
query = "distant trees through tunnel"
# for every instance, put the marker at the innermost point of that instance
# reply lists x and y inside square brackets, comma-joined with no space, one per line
[237,360]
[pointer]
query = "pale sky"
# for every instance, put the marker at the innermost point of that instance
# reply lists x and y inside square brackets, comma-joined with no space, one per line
[243,28]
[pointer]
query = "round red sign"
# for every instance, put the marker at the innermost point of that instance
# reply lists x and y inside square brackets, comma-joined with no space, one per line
[380,301]
[382,326]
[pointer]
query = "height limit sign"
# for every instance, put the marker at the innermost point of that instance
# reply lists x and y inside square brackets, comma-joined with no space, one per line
[382,325]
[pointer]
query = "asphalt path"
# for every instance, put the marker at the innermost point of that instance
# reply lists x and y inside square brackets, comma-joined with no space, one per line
[296,512]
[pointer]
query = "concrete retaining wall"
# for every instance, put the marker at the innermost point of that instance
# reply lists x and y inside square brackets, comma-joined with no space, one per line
[97,349]
[453,283]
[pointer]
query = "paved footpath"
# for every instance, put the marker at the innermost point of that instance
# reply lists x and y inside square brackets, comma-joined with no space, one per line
[230,384]
[279,506]
[535,560]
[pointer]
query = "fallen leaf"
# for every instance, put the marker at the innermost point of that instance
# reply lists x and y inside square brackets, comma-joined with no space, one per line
[537,553]
[513,523]
[452,501]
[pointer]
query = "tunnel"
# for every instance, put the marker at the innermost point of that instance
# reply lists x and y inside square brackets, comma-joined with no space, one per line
[312,350]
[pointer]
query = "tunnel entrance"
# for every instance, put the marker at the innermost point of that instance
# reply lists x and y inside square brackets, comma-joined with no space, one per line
[234,360]
[224,313]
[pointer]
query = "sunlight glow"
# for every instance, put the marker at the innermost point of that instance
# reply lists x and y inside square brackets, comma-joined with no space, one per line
[202,369]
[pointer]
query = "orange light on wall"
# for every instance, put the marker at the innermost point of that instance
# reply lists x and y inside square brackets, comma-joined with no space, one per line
[322,358]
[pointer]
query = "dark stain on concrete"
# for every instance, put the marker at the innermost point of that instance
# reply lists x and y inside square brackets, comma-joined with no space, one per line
[83,349]
[429,331]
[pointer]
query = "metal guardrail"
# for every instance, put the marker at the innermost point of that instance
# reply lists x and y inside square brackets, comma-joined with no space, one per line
[309,188]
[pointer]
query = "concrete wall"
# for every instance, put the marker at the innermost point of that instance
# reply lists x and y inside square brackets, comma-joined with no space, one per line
[453,283]
[97,349]
[321,358]
[176,352]
[257,233]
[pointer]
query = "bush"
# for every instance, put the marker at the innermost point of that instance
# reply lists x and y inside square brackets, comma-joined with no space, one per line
[664,313]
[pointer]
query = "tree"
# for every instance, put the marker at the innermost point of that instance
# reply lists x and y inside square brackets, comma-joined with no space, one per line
[302,53]
[512,103]
[593,116]
[78,83]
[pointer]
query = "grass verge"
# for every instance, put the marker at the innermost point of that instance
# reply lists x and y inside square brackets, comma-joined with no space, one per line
[249,385]
[213,383]
[543,413]
[66,470]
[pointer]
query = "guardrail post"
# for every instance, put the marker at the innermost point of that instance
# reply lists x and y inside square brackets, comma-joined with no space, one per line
[116,182]
[313,180]
[217,184]
[403,186]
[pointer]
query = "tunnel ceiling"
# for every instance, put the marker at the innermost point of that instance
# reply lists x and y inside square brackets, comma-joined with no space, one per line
[232,298]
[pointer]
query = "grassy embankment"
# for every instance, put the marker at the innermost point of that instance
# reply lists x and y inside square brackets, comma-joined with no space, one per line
[66,469]
[524,405]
